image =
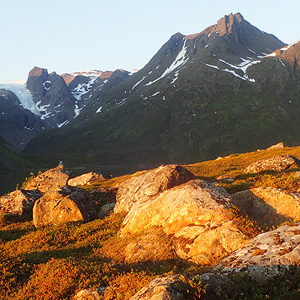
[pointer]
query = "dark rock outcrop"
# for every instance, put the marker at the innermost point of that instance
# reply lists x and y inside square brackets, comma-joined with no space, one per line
[36,78]
[52,96]
[64,205]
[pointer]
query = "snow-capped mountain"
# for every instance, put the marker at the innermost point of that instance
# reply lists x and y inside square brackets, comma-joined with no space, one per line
[23,95]
[47,101]
[228,88]
[60,99]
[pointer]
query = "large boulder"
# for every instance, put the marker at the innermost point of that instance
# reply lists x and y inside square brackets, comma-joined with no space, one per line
[141,188]
[268,255]
[64,205]
[86,179]
[196,214]
[277,163]
[269,206]
[19,203]
[52,179]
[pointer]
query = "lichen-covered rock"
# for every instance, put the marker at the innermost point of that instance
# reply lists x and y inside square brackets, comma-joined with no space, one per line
[50,180]
[269,206]
[277,163]
[164,288]
[141,188]
[86,179]
[64,205]
[196,215]
[268,255]
[19,202]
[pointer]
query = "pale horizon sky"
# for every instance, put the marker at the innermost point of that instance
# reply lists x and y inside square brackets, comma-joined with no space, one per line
[70,35]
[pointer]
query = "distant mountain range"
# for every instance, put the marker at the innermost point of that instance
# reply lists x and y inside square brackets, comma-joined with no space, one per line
[229,88]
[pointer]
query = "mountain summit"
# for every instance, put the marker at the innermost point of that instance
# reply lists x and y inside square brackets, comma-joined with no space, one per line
[200,96]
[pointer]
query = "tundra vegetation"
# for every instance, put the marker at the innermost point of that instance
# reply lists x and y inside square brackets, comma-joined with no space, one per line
[58,261]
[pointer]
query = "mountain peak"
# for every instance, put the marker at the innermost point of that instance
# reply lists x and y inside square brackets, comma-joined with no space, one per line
[227,24]
[224,25]
[37,71]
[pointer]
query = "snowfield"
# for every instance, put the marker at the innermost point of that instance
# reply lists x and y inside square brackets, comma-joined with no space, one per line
[24,96]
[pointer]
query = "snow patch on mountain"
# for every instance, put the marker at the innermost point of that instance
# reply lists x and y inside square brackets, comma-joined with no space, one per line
[77,110]
[287,47]
[63,124]
[99,110]
[283,49]
[243,66]
[24,96]
[83,88]
[138,83]
[179,61]
[47,85]
[92,73]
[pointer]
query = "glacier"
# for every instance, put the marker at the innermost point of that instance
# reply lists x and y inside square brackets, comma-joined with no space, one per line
[24,96]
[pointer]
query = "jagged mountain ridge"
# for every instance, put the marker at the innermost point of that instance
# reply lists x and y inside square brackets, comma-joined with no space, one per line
[204,48]
[60,98]
[48,101]
[200,96]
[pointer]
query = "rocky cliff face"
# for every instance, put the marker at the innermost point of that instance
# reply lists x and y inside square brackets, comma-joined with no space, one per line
[18,125]
[52,96]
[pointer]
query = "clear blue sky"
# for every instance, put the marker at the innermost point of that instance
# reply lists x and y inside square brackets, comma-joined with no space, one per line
[72,35]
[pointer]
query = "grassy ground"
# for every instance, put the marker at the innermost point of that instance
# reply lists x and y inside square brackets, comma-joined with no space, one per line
[55,262]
